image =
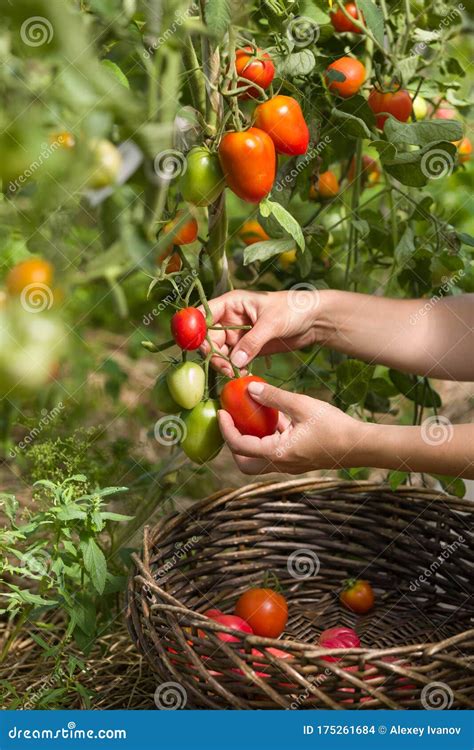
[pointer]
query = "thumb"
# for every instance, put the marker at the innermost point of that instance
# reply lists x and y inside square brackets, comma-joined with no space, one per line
[252,343]
[268,395]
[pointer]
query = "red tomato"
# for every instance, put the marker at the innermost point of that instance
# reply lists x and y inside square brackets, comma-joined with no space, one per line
[265,610]
[174,263]
[358,596]
[445,113]
[354,73]
[275,652]
[250,417]
[183,234]
[213,613]
[281,117]
[234,622]
[341,23]
[328,185]
[255,66]
[340,636]
[248,160]
[188,328]
[395,103]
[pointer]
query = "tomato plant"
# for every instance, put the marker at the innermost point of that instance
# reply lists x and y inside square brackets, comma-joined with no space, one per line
[188,327]
[203,440]
[358,596]
[249,417]
[186,384]
[281,117]
[265,610]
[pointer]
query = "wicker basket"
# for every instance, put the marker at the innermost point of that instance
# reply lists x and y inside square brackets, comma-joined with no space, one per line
[413,545]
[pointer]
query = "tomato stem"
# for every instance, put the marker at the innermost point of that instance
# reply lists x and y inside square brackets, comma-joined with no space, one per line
[154,348]
[229,328]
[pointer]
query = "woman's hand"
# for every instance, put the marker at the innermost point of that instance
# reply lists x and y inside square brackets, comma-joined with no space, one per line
[281,321]
[316,435]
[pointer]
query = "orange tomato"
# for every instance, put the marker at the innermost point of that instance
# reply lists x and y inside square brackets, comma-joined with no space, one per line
[65,139]
[328,185]
[354,72]
[464,149]
[181,233]
[248,160]
[29,273]
[251,232]
[358,596]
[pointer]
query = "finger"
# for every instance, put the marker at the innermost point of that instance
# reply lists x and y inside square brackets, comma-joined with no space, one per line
[222,365]
[251,343]
[219,306]
[251,465]
[244,445]
[285,401]
[283,422]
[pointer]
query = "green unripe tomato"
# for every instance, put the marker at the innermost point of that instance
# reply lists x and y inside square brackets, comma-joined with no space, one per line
[420,107]
[163,397]
[186,384]
[106,163]
[203,181]
[203,439]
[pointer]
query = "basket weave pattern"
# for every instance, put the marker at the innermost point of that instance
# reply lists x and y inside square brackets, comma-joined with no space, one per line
[413,545]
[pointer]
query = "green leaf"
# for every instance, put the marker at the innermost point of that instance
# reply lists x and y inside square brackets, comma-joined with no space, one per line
[413,388]
[406,68]
[116,517]
[267,249]
[422,133]
[416,168]
[467,239]
[405,249]
[453,485]
[395,478]
[218,18]
[297,64]
[351,125]
[285,219]
[373,18]
[357,106]
[95,563]
[71,512]
[114,69]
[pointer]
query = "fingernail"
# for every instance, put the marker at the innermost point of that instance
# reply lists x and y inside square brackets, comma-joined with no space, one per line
[255,388]
[240,358]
